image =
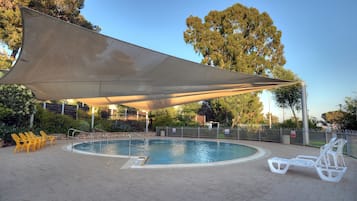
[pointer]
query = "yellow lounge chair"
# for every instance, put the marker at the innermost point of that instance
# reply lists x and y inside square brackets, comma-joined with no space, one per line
[42,139]
[20,144]
[51,139]
[31,143]
[38,141]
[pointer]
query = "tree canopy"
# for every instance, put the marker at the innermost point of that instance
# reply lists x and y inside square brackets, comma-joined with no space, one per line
[289,96]
[11,24]
[346,117]
[238,39]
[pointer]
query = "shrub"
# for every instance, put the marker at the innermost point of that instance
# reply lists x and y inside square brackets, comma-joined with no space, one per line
[54,123]
[83,125]
[16,104]
[7,130]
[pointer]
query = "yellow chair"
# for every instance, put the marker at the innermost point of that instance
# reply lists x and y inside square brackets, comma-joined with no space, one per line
[42,139]
[51,139]
[30,143]
[38,141]
[20,144]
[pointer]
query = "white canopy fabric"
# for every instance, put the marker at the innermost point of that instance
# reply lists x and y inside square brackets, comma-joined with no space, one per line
[59,60]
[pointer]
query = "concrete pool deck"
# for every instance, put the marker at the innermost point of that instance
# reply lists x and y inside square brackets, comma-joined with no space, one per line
[53,174]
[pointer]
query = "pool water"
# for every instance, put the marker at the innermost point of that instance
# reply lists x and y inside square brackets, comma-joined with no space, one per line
[169,151]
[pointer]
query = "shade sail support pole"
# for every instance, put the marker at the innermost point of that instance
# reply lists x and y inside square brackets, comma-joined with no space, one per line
[146,122]
[62,108]
[304,115]
[92,123]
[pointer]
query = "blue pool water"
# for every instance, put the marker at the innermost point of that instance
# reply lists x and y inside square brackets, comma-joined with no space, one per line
[168,151]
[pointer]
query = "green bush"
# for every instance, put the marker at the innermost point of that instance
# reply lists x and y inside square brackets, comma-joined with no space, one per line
[16,105]
[83,125]
[6,131]
[54,123]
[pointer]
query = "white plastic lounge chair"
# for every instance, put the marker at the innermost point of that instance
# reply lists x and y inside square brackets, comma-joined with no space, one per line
[328,164]
[335,154]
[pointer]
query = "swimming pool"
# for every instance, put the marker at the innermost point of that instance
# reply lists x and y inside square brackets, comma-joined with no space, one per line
[169,151]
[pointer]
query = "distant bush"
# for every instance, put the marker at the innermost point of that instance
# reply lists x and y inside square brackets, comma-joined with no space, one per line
[54,123]
[119,125]
[83,125]
[6,131]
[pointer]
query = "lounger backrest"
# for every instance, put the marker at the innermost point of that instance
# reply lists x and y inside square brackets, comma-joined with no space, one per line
[338,145]
[324,160]
[329,144]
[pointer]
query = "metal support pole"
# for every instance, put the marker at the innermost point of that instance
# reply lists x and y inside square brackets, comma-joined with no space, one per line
[146,122]
[92,123]
[304,115]
[31,120]
[77,110]
[62,111]
[44,105]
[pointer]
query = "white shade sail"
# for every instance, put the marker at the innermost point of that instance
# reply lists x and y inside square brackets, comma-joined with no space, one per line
[59,60]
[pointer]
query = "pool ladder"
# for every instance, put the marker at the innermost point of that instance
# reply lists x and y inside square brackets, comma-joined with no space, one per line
[139,160]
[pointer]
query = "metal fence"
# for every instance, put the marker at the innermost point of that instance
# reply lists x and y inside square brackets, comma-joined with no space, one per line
[281,135]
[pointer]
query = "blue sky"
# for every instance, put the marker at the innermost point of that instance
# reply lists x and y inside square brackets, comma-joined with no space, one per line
[320,38]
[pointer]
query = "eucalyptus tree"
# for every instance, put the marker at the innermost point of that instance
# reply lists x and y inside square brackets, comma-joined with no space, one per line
[238,39]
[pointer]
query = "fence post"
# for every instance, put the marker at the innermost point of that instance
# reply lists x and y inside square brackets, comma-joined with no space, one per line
[260,138]
[280,133]
[167,131]
[238,132]
[198,132]
[349,143]
[181,131]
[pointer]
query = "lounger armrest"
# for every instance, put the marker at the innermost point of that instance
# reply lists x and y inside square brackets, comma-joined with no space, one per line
[307,157]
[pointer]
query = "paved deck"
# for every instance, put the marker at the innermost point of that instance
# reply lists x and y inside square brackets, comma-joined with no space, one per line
[52,174]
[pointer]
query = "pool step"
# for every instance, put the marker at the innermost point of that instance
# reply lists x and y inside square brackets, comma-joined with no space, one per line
[135,162]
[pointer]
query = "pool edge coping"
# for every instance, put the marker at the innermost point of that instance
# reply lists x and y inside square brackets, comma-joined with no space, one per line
[134,162]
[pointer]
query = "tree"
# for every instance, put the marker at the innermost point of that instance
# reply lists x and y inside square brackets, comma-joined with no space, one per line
[235,110]
[334,117]
[238,39]
[274,119]
[188,113]
[247,110]
[350,118]
[289,96]
[164,117]
[10,17]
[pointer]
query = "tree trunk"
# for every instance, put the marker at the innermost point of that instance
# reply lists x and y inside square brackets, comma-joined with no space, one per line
[295,118]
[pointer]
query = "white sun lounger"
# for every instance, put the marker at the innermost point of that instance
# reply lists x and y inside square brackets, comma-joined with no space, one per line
[329,165]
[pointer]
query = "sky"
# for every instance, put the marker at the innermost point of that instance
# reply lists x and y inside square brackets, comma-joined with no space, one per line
[319,38]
